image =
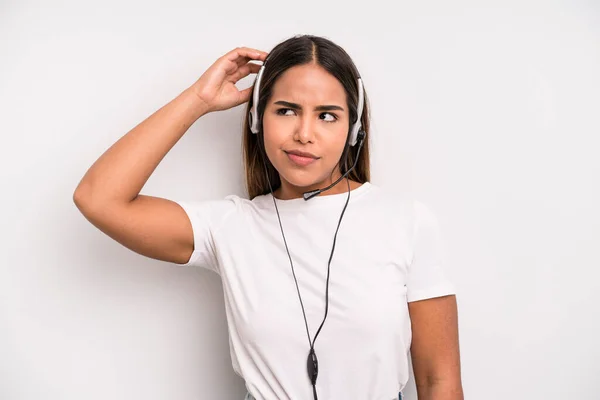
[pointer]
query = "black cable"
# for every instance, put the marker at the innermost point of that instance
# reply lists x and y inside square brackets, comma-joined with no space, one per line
[312,361]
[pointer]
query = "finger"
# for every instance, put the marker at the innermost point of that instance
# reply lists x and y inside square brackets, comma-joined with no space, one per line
[242,60]
[230,67]
[244,95]
[249,53]
[245,70]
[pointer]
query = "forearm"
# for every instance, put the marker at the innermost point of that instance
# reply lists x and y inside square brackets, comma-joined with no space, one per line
[121,172]
[440,391]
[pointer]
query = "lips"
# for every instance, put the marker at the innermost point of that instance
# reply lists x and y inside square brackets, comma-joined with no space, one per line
[301,153]
[301,160]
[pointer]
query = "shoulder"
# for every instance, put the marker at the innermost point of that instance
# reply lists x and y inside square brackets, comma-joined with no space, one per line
[217,211]
[423,215]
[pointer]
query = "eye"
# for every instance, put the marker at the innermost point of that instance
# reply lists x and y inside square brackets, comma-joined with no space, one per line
[332,118]
[283,111]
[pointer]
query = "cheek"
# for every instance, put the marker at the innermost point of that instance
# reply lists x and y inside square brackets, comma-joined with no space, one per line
[273,142]
[335,145]
[274,132]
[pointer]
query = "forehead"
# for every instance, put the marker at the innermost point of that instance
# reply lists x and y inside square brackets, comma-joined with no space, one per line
[309,83]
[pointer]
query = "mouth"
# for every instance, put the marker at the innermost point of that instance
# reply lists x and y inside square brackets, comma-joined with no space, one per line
[299,160]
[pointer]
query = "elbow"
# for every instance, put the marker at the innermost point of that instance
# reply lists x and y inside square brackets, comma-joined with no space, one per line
[92,204]
[82,204]
[83,199]
[79,197]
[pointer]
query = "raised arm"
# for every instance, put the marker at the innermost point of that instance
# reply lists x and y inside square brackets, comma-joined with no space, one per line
[108,194]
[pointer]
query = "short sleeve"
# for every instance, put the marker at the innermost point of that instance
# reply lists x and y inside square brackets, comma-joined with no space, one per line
[205,218]
[427,275]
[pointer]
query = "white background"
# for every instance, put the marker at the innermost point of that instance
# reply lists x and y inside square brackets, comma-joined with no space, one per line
[486,111]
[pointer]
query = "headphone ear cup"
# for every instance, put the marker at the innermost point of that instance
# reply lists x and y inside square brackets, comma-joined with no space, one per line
[354,137]
[253,122]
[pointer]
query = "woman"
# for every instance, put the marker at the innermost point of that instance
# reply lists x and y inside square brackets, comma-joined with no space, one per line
[350,265]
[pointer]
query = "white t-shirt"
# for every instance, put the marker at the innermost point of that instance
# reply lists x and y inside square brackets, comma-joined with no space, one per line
[388,252]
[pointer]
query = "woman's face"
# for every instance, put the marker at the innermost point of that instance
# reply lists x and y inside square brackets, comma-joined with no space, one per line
[307,112]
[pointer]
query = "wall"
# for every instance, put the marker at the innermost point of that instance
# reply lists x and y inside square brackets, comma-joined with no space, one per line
[489,114]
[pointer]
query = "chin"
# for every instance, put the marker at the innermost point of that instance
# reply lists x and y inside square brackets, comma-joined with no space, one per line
[300,181]
[303,179]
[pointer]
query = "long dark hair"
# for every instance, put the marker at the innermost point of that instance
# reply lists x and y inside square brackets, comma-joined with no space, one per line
[300,50]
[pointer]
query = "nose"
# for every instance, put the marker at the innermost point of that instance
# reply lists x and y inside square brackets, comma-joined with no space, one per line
[305,129]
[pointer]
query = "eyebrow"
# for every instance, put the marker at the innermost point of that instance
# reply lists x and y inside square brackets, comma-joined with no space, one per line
[317,108]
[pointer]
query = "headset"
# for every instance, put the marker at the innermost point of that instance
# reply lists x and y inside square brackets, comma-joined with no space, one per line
[356,135]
